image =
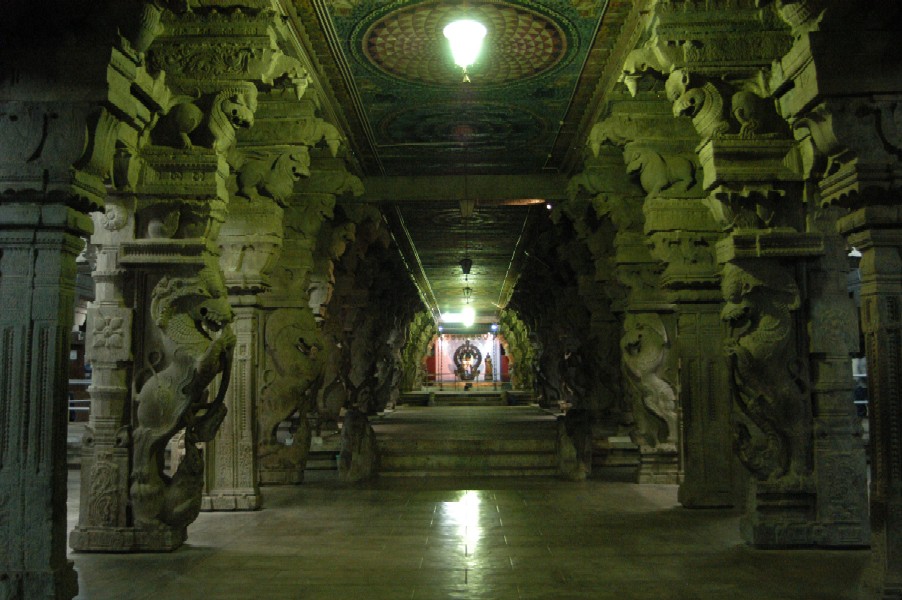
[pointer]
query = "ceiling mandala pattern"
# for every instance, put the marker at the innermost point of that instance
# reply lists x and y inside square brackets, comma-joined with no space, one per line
[421,119]
[408,43]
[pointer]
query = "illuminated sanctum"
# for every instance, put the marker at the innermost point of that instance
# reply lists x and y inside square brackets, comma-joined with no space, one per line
[427,299]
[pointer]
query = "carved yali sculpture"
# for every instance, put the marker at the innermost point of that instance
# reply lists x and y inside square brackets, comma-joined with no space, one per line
[657,172]
[188,123]
[644,347]
[192,314]
[766,380]
[294,362]
[467,359]
[273,176]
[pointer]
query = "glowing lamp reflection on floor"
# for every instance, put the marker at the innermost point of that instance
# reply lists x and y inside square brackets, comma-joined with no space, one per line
[465,515]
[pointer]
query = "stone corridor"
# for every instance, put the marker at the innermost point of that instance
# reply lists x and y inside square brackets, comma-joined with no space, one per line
[494,539]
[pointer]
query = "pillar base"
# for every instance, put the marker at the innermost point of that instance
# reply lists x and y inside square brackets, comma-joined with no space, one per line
[658,465]
[784,514]
[60,584]
[237,500]
[126,539]
[281,476]
[700,497]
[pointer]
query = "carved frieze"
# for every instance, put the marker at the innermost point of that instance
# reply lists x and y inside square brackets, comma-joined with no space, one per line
[249,243]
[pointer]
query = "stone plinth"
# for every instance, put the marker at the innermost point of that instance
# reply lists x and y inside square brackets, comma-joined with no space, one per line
[658,465]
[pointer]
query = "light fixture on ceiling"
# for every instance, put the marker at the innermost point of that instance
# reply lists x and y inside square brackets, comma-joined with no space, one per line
[467,315]
[465,37]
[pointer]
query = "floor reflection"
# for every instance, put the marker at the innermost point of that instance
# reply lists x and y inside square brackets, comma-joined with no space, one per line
[464,514]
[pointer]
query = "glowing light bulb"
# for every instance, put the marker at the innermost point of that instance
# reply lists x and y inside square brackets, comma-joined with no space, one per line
[468,316]
[465,37]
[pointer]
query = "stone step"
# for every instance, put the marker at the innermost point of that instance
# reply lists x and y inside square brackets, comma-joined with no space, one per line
[472,472]
[465,446]
[469,400]
[466,462]
[491,440]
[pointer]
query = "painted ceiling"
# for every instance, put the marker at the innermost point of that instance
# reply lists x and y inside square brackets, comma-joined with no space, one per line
[407,112]
[422,118]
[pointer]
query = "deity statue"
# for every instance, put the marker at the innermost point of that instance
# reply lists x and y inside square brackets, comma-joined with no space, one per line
[489,369]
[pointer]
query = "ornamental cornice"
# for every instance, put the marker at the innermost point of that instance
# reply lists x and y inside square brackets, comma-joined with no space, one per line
[769,243]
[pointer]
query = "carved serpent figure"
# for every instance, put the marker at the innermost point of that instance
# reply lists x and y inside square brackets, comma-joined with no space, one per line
[759,301]
[644,348]
[192,314]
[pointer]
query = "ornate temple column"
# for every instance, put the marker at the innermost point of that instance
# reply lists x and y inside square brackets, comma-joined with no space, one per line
[39,240]
[250,242]
[877,233]
[295,349]
[683,237]
[175,183]
[839,94]
[653,153]
[752,175]
[54,156]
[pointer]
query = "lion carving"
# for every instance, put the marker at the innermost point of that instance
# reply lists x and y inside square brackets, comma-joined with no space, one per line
[192,315]
[188,124]
[657,172]
[273,177]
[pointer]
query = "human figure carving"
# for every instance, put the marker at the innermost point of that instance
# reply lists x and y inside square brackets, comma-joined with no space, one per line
[644,348]
[192,314]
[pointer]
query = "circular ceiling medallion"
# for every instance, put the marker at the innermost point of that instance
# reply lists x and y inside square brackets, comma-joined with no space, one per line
[408,43]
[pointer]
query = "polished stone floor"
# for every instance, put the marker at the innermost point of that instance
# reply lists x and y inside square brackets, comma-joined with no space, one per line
[497,539]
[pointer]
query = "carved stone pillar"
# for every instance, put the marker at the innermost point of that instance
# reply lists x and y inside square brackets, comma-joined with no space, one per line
[840,94]
[250,243]
[654,151]
[295,347]
[683,236]
[876,232]
[39,240]
[55,159]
